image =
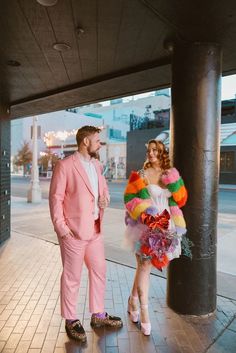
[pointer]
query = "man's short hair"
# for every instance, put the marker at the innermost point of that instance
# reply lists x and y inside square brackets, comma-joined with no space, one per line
[86,131]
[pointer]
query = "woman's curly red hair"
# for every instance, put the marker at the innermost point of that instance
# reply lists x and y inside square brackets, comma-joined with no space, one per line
[163,155]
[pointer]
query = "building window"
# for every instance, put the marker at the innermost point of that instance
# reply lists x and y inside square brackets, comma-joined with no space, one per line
[227,161]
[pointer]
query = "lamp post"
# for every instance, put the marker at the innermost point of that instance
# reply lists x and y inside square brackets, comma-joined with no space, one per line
[34,192]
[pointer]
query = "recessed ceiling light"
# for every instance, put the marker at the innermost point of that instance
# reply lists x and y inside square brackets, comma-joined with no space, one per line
[13,63]
[61,46]
[47,2]
[80,32]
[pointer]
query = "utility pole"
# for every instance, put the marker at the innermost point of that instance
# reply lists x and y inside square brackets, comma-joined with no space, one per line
[34,192]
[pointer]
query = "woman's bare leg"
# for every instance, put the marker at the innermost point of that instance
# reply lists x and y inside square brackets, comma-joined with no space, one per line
[141,287]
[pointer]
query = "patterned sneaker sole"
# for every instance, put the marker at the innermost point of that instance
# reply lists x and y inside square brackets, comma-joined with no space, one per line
[81,338]
[101,324]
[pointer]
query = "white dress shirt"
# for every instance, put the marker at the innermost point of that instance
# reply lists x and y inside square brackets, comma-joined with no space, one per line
[93,178]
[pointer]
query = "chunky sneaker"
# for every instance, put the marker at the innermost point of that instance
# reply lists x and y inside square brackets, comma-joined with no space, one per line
[108,320]
[76,331]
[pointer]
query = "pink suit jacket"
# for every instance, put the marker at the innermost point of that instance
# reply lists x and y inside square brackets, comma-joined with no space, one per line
[71,198]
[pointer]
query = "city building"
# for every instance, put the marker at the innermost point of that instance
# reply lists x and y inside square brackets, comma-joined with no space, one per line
[136,151]
[56,131]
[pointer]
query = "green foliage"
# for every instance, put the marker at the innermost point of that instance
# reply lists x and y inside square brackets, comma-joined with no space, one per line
[48,161]
[23,157]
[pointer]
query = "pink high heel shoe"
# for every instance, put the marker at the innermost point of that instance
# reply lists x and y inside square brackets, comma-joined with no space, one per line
[134,314]
[145,326]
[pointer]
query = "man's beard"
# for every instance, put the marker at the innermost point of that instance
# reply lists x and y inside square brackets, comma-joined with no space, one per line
[93,154]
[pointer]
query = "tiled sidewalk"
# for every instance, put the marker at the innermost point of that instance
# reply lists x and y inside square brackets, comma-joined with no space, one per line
[30,316]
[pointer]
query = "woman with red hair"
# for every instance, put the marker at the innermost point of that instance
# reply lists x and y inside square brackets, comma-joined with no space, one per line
[155,223]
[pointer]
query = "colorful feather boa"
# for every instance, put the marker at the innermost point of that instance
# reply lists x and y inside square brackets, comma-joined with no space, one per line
[137,198]
[174,183]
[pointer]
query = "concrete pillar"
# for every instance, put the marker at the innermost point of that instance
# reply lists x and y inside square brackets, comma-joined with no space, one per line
[196,110]
[5,181]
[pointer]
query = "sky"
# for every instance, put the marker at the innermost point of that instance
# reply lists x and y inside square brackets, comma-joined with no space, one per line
[228,87]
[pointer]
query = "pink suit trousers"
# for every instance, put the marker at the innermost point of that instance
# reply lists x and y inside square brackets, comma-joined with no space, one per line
[73,253]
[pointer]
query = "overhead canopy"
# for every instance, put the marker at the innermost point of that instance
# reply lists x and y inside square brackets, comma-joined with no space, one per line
[115,48]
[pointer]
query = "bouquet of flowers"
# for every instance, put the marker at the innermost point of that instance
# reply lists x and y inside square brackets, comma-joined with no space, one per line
[155,241]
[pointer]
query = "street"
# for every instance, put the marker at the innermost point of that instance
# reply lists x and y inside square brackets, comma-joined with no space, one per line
[25,221]
[20,185]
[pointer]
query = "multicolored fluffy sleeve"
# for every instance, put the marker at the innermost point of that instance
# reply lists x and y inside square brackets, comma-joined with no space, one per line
[136,197]
[175,185]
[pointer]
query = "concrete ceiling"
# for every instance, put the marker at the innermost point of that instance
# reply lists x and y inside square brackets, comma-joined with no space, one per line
[120,52]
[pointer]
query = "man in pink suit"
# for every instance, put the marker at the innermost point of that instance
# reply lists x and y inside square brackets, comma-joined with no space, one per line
[77,198]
